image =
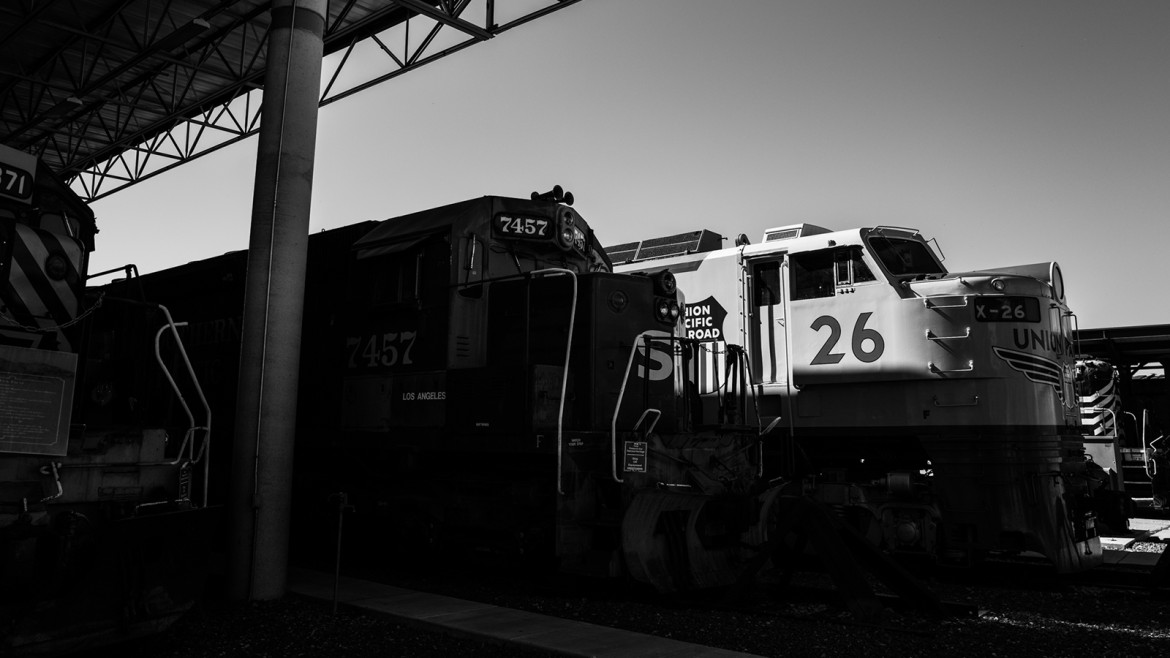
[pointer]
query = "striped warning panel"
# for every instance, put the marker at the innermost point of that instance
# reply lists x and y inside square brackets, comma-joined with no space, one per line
[40,289]
[1099,410]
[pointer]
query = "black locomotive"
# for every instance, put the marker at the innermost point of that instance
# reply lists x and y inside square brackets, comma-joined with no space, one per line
[475,375]
[100,534]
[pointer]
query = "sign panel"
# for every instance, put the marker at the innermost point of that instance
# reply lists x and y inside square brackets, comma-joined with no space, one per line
[522,227]
[1007,309]
[635,457]
[36,400]
[17,174]
[703,320]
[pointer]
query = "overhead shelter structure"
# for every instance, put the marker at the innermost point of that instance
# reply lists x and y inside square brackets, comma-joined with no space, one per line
[111,92]
[107,93]
[1131,348]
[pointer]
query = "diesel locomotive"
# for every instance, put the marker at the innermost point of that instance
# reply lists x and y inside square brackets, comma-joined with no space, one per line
[476,376]
[934,410]
[1121,434]
[100,533]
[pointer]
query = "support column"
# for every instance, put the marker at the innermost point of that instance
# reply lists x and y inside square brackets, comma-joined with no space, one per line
[262,452]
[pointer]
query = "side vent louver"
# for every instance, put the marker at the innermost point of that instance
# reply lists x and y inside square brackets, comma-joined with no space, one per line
[792,231]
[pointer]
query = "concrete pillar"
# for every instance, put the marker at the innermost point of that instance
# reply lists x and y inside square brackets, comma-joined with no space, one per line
[262,451]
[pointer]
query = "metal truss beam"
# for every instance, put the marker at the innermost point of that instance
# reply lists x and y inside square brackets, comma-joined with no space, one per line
[138,87]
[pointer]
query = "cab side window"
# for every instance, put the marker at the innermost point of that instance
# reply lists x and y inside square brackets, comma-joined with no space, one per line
[819,273]
[812,274]
[850,268]
[413,273]
[390,278]
[767,292]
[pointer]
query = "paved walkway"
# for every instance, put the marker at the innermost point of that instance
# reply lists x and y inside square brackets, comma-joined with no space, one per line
[493,623]
[1146,530]
[573,638]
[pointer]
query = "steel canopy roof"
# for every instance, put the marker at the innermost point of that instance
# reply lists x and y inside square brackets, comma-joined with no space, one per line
[110,92]
[1135,346]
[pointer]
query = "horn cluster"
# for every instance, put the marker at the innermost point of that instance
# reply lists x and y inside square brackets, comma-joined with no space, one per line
[557,194]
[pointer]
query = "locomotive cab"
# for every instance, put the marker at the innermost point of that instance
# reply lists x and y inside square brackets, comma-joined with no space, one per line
[485,345]
[929,403]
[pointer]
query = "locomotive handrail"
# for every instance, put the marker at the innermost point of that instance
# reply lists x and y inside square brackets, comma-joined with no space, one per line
[973,403]
[1146,449]
[940,371]
[752,384]
[657,416]
[1150,461]
[1076,333]
[927,303]
[996,274]
[645,335]
[565,371]
[130,269]
[931,336]
[1111,413]
[54,468]
[205,447]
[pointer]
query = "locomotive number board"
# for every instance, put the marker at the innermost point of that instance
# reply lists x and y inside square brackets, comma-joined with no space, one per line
[1007,309]
[524,227]
[15,183]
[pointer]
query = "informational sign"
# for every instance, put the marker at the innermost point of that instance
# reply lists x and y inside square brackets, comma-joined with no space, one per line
[703,320]
[635,457]
[17,174]
[36,400]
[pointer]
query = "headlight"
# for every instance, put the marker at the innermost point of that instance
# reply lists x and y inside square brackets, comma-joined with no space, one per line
[566,231]
[665,283]
[565,237]
[618,301]
[57,266]
[666,310]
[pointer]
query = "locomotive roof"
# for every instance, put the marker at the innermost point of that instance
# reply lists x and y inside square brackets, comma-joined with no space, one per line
[417,224]
[806,243]
[455,217]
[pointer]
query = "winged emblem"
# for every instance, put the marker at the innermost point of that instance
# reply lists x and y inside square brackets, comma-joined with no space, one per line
[1036,368]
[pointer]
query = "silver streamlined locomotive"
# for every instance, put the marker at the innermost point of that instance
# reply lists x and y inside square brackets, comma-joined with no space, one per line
[935,410]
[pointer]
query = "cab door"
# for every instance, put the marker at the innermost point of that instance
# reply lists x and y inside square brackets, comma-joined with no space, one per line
[769,331]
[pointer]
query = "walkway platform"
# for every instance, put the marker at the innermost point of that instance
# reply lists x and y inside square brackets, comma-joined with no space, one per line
[572,638]
[493,623]
[1146,530]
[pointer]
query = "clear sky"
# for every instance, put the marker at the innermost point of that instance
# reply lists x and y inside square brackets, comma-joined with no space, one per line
[1013,131]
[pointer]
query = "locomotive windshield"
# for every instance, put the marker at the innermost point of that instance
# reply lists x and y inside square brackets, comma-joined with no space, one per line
[901,257]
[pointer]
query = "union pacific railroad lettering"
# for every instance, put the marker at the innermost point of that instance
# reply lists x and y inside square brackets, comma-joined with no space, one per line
[704,320]
[1042,340]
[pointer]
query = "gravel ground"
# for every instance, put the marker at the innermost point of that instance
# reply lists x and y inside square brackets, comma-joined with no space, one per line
[1015,620]
[296,626]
